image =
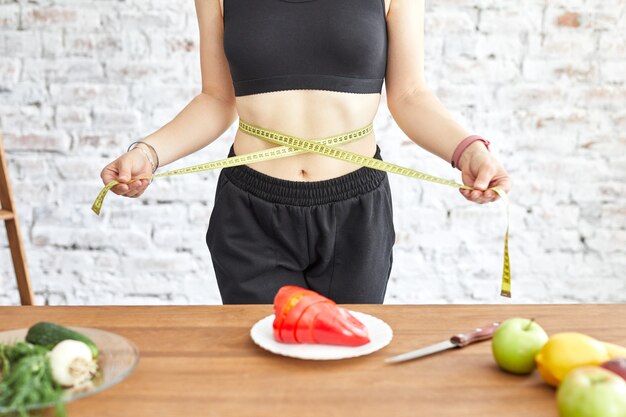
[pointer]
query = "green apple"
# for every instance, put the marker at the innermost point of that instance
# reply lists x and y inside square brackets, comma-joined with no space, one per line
[591,391]
[516,342]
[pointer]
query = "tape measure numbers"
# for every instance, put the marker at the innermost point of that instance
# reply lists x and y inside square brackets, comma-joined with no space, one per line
[291,145]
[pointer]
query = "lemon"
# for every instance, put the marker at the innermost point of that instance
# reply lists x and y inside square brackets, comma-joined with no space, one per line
[566,351]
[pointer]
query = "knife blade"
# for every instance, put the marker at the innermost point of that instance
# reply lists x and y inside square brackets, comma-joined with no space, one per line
[457,341]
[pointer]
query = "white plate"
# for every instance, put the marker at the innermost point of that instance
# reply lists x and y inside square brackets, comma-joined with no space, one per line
[380,335]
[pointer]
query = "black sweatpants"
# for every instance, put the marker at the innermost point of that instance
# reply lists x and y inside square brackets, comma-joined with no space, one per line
[334,237]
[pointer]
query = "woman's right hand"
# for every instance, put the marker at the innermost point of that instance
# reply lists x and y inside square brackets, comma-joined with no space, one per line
[132,164]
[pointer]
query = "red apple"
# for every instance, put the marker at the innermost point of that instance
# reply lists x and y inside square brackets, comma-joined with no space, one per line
[617,365]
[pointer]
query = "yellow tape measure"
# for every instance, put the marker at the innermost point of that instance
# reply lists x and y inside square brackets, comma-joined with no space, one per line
[260,156]
[291,145]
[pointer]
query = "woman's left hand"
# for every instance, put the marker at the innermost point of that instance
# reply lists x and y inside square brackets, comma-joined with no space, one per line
[481,170]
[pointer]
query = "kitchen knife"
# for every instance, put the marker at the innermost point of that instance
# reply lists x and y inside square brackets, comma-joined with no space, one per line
[458,341]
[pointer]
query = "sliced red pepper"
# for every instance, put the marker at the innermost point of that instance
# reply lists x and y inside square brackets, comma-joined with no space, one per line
[290,324]
[284,294]
[339,327]
[286,299]
[304,316]
[306,330]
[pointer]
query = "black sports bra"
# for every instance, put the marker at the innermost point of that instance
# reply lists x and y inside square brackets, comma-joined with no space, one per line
[274,45]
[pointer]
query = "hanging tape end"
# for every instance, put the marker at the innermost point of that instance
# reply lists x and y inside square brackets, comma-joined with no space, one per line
[505,293]
[95,209]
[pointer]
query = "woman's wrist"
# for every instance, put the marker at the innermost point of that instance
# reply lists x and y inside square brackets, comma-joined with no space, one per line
[472,150]
[147,150]
[467,148]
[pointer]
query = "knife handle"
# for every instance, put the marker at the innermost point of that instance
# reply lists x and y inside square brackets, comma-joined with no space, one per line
[476,335]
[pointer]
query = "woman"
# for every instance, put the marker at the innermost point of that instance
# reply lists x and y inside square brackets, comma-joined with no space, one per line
[310,69]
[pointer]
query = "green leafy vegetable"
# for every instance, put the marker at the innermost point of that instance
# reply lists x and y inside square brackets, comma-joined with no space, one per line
[26,379]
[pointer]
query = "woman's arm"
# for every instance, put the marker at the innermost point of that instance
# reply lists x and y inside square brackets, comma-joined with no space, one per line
[418,111]
[202,121]
[212,111]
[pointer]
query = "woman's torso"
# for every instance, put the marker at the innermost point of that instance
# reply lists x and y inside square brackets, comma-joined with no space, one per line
[307,113]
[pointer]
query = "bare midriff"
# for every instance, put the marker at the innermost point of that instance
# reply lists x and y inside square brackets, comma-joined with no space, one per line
[307,114]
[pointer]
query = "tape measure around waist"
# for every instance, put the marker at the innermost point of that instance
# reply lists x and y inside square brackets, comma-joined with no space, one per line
[291,145]
[260,156]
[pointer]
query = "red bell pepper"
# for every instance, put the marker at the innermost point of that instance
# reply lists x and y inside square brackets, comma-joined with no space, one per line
[304,316]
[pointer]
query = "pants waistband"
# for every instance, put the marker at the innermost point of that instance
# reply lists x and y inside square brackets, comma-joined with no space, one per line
[305,193]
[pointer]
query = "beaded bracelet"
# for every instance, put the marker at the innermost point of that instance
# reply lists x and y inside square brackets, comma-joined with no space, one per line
[152,164]
[463,145]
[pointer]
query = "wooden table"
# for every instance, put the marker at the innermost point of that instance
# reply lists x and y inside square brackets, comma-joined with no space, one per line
[200,361]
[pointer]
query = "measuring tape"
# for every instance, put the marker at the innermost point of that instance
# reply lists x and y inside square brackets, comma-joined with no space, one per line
[291,145]
[260,156]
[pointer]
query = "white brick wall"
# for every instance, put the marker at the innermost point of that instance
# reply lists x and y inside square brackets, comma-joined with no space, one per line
[545,80]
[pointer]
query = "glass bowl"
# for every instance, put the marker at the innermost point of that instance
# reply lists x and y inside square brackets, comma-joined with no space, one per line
[118,357]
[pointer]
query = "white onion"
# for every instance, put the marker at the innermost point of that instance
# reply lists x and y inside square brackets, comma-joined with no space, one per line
[71,363]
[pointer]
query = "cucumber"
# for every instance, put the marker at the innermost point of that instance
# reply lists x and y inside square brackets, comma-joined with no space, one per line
[49,334]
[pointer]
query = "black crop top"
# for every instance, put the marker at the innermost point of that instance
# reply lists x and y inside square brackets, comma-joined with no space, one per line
[274,45]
